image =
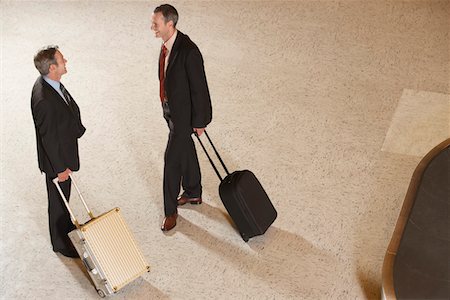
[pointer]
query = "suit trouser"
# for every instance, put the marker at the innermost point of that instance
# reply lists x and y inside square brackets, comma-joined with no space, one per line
[180,165]
[58,216]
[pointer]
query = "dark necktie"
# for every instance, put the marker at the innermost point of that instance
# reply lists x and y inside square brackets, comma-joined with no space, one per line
[67,97]
[65,93]
[162,63]
[72,106]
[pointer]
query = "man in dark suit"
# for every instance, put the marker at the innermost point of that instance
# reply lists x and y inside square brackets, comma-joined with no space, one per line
[58,127]
[187,109]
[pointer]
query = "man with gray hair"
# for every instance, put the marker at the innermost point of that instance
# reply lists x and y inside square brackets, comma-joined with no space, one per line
[58,127]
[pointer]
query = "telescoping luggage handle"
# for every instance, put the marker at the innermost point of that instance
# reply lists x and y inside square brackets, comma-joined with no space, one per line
[209,157]
[72,215]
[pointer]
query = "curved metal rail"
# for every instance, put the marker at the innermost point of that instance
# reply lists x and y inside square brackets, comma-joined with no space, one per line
[388,286]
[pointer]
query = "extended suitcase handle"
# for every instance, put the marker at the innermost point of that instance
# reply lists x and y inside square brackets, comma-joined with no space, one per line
[72,215]
[209,157]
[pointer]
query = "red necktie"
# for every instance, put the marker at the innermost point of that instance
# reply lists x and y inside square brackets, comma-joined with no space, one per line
[162,63]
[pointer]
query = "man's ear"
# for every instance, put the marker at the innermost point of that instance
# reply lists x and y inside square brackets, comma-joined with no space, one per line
[52,68]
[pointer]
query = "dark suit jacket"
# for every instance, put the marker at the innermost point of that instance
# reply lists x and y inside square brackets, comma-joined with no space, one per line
[186,87]
[58,127]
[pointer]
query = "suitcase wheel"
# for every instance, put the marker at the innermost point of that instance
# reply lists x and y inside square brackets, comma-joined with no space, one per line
[244,237]
[101,293]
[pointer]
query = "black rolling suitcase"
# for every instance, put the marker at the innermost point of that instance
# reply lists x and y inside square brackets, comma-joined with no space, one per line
[244,198]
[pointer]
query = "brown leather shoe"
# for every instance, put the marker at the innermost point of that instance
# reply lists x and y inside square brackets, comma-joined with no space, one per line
[169,222]
[183,200]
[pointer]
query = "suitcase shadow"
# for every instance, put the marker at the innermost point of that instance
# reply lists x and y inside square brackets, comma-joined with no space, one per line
[213,213]
[283,260]
[138,289]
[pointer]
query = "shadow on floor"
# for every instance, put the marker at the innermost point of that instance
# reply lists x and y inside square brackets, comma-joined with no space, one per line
[280,258]
[370,285]
[138,289]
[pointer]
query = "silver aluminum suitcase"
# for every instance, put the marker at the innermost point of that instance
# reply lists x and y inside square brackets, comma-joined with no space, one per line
[107,248]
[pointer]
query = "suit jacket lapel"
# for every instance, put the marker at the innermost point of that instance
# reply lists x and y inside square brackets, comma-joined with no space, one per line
[57,95]
[174,52]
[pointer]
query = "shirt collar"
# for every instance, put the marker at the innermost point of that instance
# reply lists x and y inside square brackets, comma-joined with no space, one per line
[55,84]
[171,41]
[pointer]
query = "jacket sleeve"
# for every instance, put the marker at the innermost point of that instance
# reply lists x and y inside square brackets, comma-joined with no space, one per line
[45,120]
[201,111]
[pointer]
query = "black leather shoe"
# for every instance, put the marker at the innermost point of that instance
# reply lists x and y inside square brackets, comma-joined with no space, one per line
[169,222]
[183,200]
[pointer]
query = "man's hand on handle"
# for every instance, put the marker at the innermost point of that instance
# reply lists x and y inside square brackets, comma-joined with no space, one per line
[199,131]
[63,176]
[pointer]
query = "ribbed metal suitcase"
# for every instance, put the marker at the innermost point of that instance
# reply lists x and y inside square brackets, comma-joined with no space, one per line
[244,198]
[107,248]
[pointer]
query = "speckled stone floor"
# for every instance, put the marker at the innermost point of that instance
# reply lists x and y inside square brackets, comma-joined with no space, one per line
[330,103]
